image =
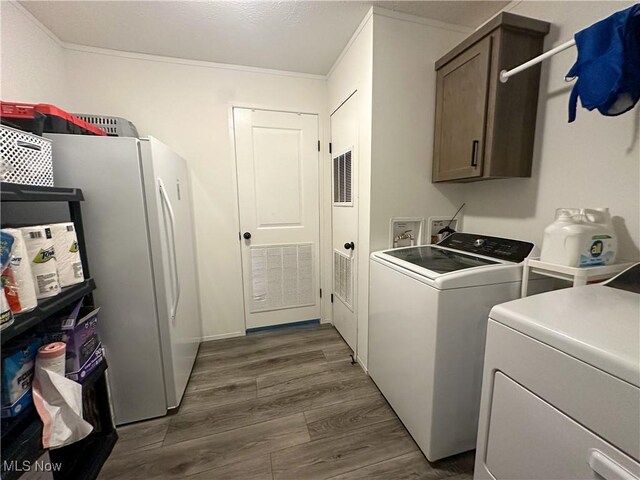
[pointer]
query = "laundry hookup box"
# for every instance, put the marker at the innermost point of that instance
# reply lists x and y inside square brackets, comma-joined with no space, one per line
[79,330]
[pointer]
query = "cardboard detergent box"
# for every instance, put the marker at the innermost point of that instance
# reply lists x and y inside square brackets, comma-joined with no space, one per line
[79,330]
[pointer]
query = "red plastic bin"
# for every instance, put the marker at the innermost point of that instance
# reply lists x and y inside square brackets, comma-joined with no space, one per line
[44,118]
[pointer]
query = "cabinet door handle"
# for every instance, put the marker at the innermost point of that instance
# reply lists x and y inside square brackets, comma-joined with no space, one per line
[474,153]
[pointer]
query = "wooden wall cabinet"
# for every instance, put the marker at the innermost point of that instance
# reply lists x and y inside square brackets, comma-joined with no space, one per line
[485,129]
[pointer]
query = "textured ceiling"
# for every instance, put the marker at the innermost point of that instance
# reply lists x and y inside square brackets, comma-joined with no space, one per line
[302,36]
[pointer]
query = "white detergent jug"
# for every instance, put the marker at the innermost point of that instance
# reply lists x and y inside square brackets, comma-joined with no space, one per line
[559,235]
[580,238]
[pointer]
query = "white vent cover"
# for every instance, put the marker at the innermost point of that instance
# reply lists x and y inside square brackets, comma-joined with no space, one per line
[282,276]
[343,278]
[342,179]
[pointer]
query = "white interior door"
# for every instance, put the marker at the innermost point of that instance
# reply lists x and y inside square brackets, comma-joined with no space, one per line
[344,170]
[277,165]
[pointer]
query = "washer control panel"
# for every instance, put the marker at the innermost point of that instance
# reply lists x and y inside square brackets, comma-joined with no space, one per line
[495,247]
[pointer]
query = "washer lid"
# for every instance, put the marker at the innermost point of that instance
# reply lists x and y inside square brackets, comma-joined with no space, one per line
[597,324]
[438,259]
[460,270]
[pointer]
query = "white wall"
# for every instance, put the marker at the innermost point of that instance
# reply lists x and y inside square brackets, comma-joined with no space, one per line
[568,164]
[185,104]
[32,60]
[352,72]
[592,162]
[389,61]
[404,85]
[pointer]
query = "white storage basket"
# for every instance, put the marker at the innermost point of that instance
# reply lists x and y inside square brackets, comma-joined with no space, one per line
[25,158]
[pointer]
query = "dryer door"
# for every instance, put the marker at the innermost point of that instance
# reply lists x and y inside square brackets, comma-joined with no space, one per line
[529,438]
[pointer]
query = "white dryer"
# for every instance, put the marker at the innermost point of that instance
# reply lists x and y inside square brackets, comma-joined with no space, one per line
[561,385]
[428,313]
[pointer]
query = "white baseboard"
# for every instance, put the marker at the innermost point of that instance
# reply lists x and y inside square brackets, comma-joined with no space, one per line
[220,336]
[364,367]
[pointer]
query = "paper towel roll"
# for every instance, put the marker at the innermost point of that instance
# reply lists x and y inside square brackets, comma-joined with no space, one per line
[52,357]
[58,400]
[68,260]
[6,317]
[41,253]
[19,287]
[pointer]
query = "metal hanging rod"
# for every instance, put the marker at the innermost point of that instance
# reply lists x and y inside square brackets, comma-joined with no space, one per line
[505,74]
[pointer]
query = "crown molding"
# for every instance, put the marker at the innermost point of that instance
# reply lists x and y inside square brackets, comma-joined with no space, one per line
[187,62]
[29,16]
[351,41]
[154,58]
[383,12]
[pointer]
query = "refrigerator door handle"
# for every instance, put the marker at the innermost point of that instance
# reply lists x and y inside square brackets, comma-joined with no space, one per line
[175,279]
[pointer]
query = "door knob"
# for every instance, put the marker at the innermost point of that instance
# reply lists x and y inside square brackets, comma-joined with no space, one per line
[349,246]
[246,235]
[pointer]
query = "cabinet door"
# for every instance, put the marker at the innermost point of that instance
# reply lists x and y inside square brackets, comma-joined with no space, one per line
[461,106]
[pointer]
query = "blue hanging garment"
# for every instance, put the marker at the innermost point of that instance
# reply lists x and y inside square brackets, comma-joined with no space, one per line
[608,65]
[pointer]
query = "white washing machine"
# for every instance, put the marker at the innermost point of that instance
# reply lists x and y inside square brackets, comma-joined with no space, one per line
[428,312]
[561,387]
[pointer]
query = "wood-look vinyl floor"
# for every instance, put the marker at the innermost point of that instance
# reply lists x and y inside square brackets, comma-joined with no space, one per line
[284,404]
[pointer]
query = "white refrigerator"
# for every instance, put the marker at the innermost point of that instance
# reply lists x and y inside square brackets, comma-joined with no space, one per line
[140,243]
